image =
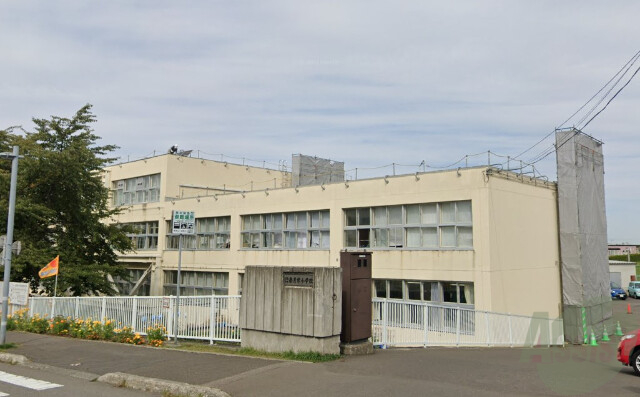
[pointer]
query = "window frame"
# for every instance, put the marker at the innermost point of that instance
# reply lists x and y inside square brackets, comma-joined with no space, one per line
[410,235]
[144,231]
[297,230]
[437,300]
[189,288]
[195,242]
[136,190]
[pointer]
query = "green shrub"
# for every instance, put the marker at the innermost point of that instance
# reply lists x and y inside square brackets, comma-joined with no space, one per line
[38,325]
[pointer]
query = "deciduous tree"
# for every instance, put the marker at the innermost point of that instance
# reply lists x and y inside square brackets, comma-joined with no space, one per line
[62,205]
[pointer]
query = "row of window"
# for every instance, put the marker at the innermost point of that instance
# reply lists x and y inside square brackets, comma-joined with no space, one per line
[295,230]
[142,189]
[445,225]
[196,283]
[432,225]
[428,291]
[211,234]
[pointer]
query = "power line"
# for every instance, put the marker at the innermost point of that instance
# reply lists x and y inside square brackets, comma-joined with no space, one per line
[612,98]
[627,65]
[554,148]
[610,89]
[547,152]
[542,155]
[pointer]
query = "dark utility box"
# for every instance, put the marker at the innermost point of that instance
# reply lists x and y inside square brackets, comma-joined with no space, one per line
[356,296]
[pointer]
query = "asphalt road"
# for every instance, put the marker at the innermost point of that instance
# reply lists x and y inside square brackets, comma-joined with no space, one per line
[556,371]
[29,382]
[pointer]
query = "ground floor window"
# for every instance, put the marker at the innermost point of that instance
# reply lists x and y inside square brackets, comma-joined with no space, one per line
[460,293]
[452,310]
[196,283]
[125,286]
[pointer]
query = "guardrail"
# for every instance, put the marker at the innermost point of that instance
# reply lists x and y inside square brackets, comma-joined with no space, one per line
[402,323]
[212,318]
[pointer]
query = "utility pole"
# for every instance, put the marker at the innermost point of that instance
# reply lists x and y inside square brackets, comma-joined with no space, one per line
[9,241]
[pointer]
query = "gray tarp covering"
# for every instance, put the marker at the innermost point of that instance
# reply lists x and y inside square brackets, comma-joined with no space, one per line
[582,222]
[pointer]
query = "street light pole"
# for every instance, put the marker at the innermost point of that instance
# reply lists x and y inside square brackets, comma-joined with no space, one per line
[9,241]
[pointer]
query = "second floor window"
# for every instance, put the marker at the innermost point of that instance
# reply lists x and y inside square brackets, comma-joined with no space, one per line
[290,230]
[446,225]
[144,235]
[142,189]
[211,234]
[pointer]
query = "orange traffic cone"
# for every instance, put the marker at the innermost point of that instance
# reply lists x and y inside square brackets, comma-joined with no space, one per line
[628,308]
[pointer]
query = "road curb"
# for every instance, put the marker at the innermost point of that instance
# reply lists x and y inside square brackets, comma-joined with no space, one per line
[120,379]
[10,358]
[18,359]
[154,385]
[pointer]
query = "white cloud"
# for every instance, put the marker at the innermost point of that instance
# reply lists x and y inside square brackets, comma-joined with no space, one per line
[367,82]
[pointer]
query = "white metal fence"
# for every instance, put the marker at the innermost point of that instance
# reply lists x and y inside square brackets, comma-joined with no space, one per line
[402,323]
[212,318]
[395,323]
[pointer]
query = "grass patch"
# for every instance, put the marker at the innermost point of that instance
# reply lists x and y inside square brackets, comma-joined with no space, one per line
[624,258]
[313,357]
[6,346]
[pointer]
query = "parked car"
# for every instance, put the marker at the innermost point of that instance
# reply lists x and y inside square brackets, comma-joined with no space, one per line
[629,351]
[617,292]
[634,289]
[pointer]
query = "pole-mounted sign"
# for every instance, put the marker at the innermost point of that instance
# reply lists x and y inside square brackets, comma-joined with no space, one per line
[184,222]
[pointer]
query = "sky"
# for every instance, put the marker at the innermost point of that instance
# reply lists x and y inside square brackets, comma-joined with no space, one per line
[371,83]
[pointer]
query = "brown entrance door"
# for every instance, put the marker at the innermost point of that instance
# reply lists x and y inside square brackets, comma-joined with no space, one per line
[356,295]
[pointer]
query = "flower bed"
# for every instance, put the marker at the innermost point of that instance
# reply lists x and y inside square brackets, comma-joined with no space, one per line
[85,329]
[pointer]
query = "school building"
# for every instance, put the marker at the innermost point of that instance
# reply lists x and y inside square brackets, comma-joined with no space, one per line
[476,237]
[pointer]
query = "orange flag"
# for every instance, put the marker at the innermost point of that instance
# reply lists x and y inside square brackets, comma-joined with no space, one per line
[51,269]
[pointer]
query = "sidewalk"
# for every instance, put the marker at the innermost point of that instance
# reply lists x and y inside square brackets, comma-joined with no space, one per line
[99,358]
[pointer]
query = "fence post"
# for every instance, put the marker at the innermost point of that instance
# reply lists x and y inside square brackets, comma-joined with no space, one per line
[426,324]
[212,320]
[486,321]
[385,316]
[550,330]
[459,313]
[134,313]
[103,313]
[53,307]
[510,330]
[77,308]
[31,307]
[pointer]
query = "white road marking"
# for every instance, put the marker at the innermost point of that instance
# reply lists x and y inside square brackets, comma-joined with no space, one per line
[3,394]
[23,381]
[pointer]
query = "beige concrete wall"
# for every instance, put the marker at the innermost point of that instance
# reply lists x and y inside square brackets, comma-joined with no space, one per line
[183,177]
[513,263]
[205,177]
[523,247]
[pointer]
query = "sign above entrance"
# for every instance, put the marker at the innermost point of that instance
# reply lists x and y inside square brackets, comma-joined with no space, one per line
[184,222]
[297,279]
